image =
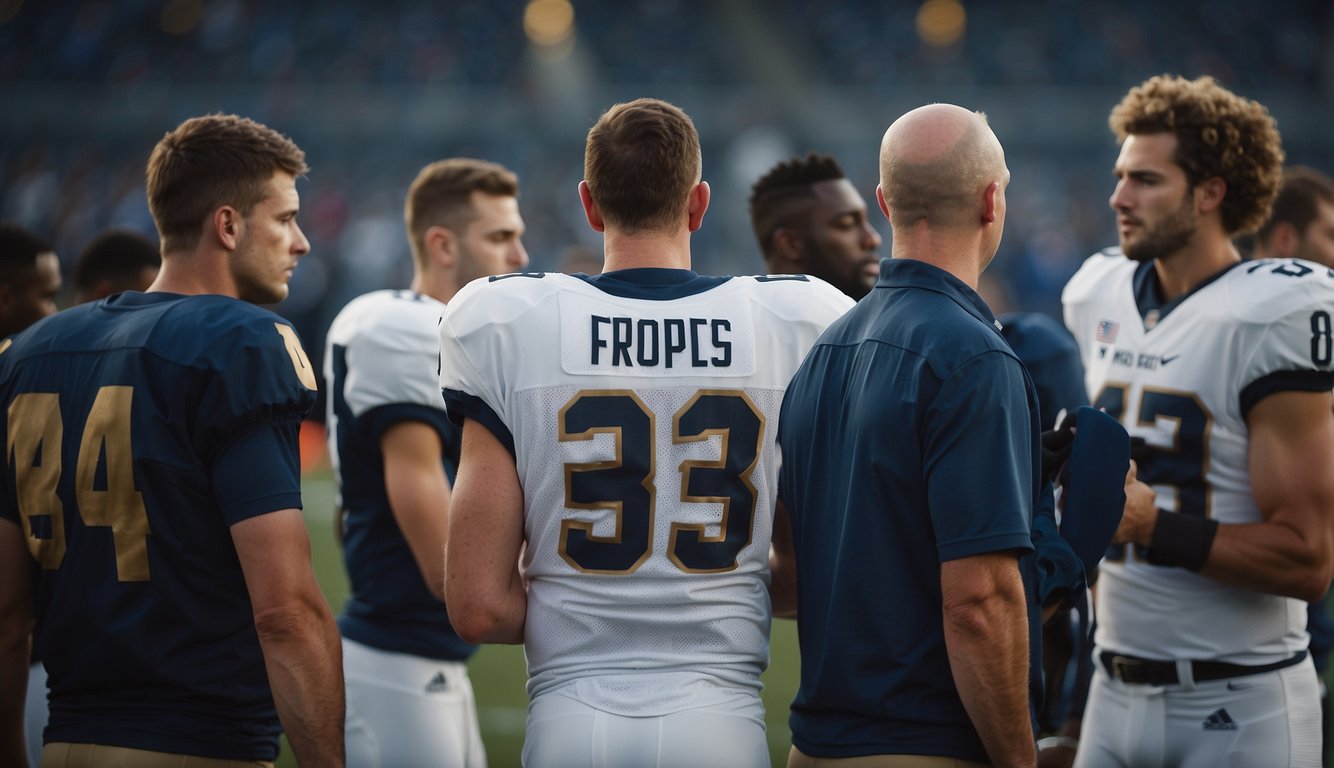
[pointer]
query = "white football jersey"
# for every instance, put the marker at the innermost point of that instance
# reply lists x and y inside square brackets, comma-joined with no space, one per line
[1184,382]
[382,349]
[644,432]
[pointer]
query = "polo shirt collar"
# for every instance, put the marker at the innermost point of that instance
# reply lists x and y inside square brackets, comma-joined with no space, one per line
[910,273]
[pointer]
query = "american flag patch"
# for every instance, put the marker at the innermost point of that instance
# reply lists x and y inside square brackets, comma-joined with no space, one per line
[1107,331]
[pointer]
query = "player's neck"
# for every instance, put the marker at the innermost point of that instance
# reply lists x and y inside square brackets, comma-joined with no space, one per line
[1179,273]
[663,250]
[191,274]
[438,286]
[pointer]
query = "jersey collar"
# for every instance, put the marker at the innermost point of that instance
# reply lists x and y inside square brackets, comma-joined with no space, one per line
[1152,309]
[652,283]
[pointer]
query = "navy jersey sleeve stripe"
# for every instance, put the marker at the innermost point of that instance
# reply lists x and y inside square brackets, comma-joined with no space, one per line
[1284,381]
[461,405]
[378,420]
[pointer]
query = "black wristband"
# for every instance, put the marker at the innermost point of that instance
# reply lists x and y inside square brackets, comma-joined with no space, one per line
[1182,540]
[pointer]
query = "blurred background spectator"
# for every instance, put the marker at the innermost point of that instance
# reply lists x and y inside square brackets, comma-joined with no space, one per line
[373,89]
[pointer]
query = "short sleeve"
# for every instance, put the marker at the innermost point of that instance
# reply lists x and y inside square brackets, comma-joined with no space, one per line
[1292,352]
[258,472]
[978,452]
[255,373]
[468,390]
[394,366]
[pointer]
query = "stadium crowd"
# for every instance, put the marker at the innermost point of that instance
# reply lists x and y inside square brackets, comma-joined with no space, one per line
[1215,495]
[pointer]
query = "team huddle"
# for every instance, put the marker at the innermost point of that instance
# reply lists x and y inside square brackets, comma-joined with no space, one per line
[632,473]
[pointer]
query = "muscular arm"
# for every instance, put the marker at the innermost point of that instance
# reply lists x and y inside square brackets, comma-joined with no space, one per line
[418,492]
[986,637]
[1292,480]
[296,632]
[16,622]
[782,567]
[485,594]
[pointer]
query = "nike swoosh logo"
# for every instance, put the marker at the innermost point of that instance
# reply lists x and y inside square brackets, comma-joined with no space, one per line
[1164,360]
[1231,686]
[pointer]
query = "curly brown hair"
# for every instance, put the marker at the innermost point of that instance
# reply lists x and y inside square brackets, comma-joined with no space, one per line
[1219,134]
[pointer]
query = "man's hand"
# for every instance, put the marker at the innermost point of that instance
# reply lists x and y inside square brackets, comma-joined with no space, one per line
[1141,511]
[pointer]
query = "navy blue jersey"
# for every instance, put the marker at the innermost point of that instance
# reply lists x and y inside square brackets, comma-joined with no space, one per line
[909,437]
[138,430]
[1051,356]
[382,365]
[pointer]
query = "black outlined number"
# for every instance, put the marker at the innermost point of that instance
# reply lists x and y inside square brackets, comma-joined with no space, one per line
[1320,338]
[625,483]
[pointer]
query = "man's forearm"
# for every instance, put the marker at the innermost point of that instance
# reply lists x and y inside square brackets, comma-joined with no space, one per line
[304,659]
[988,652]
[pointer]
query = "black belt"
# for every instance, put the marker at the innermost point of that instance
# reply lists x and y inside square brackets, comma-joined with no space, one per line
[1129,669]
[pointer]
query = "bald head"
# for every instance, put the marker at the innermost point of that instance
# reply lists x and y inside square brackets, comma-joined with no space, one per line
[936,163]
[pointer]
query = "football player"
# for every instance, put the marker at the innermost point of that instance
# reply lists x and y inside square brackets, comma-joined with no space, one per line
[809,219]
[150,518]
[615,497]
[409,699]
[1223,367]
[1301,225]
[119,260]
[29,279]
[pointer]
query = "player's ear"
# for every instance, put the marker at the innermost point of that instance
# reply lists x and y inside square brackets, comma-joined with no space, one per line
[441,245]
[989,197]
[698,204]
[1209,194]
[227,224]
[591,208]
[1283,240]
[785,246]
[880,198]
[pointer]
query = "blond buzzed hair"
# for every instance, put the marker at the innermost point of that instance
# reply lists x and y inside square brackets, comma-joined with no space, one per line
[941,191]
[441,196]
[208,162]
[1219,135]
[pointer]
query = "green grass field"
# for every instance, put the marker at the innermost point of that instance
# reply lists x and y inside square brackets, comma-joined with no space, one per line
[498,672]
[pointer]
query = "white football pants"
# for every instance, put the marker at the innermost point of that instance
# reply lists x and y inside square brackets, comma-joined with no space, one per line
[406,711]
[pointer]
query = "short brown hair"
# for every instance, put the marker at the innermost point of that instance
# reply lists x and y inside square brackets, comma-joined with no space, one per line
[211,161]
[641,160]
[441,195]
[1297,201]
[1219,134]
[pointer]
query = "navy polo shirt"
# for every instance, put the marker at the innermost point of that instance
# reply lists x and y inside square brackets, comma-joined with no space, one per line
[910,437]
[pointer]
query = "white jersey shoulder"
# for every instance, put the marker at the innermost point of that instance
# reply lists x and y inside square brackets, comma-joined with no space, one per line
[1282,307]
[385,346]
[644,438]
[1091,280]
[1183,380]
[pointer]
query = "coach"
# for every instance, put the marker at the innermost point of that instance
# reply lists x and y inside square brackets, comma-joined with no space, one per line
[910,442]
